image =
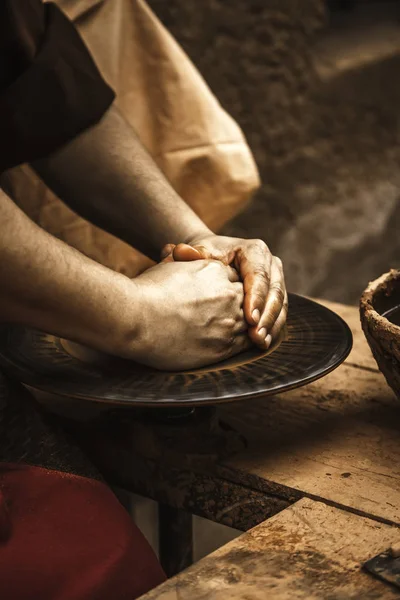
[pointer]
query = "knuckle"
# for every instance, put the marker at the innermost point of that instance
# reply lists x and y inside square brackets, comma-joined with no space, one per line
[279,292]
[260,245]
[261,273]
[279,262]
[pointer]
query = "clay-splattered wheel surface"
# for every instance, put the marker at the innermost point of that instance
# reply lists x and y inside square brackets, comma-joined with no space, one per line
[316,341]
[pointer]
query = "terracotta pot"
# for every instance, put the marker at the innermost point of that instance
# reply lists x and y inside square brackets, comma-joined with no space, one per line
[378,318]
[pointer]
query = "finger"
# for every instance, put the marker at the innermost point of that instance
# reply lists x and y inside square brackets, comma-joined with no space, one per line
[167,251]
[254,263]
[215,254]
[277,302]
[184,252]
[231,273]
[276,295]
[281,320]
[262,342]
[169,258]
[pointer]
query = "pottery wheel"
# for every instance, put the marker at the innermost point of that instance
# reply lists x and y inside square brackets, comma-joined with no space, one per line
[315,342]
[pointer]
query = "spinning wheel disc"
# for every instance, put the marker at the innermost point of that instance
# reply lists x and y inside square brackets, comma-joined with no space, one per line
[316,341]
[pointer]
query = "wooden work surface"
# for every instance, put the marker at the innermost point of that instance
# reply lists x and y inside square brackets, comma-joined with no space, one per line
[337,439]
[309,551]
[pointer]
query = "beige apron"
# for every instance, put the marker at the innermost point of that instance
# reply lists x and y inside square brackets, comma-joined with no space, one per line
[197,145]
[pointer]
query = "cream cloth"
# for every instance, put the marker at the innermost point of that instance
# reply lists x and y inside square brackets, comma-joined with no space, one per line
[197,145]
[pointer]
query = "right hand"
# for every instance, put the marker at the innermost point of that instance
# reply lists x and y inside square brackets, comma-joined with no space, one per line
[191,315]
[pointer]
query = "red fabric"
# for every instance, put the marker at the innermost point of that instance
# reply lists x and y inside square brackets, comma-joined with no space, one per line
[65,537]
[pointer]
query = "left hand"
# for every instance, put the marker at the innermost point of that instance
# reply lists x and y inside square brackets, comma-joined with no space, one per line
[265,301]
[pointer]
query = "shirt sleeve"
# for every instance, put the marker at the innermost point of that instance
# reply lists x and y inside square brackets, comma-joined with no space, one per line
[50,87]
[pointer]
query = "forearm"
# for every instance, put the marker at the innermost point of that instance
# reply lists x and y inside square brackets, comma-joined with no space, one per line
[107,177]
[47,285]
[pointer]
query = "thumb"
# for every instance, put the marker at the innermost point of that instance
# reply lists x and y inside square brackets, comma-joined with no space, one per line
[167,251]
[184,252]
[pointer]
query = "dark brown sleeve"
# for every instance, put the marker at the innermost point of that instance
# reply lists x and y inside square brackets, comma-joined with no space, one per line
[50,87]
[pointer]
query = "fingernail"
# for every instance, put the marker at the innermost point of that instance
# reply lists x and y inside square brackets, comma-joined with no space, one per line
[256,315]
[268,340]
[262,333]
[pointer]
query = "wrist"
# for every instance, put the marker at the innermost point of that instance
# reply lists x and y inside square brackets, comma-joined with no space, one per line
[130,321]
[199,234]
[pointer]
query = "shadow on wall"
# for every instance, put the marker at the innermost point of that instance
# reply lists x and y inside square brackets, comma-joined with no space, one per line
[318,101]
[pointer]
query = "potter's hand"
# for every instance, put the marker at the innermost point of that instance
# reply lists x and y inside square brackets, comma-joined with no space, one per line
[191,315]
[265,300]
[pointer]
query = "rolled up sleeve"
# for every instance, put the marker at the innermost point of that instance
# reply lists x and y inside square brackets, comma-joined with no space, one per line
[50,87]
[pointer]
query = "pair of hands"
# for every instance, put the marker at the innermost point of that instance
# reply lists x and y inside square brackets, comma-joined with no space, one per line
[209,312]
[265,302]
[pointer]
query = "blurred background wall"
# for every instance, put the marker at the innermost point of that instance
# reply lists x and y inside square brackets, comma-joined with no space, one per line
[315,85]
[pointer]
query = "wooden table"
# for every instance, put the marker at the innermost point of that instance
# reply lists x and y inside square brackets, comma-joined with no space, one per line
[309,551]
[336,441]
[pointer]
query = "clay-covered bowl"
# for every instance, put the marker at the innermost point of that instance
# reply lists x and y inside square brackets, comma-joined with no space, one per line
[380,319]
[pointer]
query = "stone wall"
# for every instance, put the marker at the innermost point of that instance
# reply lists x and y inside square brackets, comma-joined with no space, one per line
[325,134]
